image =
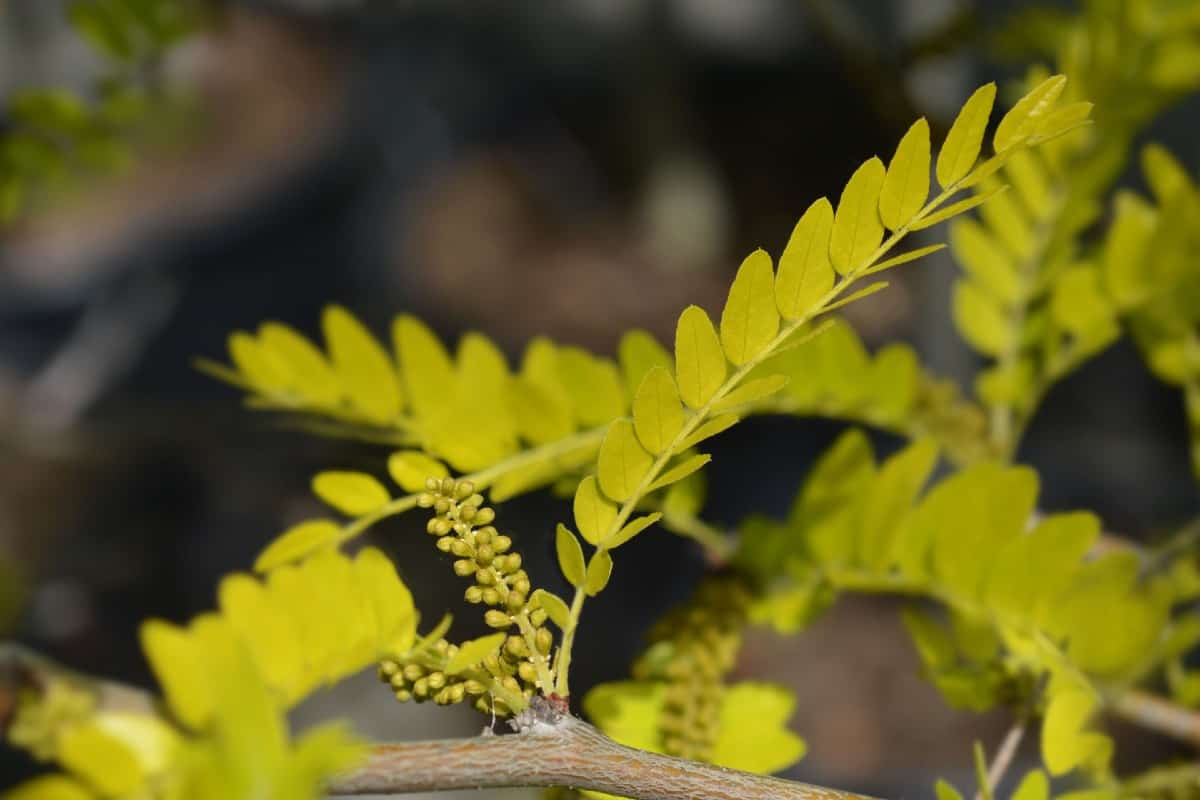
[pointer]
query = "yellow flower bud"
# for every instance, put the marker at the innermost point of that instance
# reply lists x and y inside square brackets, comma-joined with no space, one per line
[497,619]
[544,640]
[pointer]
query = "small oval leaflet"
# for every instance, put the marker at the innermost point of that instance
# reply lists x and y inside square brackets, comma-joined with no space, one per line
[352,493]
[857,229]
[362,365]
[594,514]
[699,359]
[750,320]
[632,529]
[599,570]
[907,182]
[622,462]
[657,412]
[554,606]
[965,139]
[411,468]
[805,273]
[297,542]
[570,556]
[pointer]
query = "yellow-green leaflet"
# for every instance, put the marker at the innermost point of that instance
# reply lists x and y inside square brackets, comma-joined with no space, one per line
[570,556]
[963,142]
[593,513]
[857,229]
[711,428]
[471,653]
[598,572]
[555,607]
[362,365]
[750,321]
[892,493]
[981,772]
[637,354]
[261,368]
[679,471]
[805,273]
[542,414]
[754,735]
[751,391]
[657,412]
[622,462]
[411,468]
[1024,117]
[268,630]
[312,376]
[426,366]
[1007,220]
[1132,229]
[945,791]
[1065,745]
[352,493]
[985,260]
[632,529]
[1034,786]
[980,321]
[1063,120]
[906,184]
[699,359]
[1164,173]
[297,542]
[593,384]
[180,671]
[51,787]
[86,749]
[1030,178]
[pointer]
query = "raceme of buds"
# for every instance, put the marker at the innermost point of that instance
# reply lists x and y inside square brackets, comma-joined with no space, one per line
[692,649]
[463,527]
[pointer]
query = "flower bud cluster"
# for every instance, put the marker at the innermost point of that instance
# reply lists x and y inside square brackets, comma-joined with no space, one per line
[463,527]
[417,676]
[692,649]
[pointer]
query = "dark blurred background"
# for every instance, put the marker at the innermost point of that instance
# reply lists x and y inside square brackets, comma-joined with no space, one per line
[573,168]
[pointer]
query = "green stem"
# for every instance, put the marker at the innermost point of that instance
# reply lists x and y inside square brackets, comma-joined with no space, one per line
[1007,425]
[563,662]
[718,546]
[483,478]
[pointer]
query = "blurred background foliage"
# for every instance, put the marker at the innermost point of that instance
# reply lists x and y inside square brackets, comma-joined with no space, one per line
[172,170]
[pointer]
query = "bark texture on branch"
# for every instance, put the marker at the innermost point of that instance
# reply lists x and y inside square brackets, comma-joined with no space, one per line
[556,749]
